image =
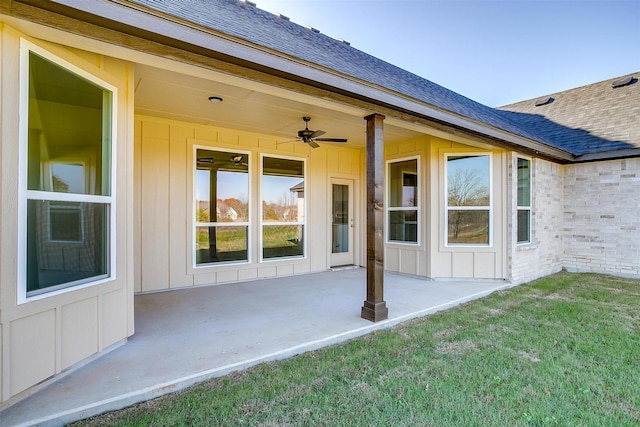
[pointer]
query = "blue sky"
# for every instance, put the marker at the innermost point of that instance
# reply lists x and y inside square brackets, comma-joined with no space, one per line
[494,52]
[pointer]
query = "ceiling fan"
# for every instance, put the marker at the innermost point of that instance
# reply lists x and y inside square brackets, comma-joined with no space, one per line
[310,137]
[235,160]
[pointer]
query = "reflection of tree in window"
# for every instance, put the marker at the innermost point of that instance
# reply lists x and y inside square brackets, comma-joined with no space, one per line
[468,199]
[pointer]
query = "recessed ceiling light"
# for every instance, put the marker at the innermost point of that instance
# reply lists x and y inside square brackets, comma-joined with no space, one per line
[215,99]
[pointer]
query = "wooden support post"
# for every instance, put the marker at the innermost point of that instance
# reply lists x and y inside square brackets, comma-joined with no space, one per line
[375,308]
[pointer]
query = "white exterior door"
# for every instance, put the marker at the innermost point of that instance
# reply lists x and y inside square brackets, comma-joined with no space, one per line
[341,222]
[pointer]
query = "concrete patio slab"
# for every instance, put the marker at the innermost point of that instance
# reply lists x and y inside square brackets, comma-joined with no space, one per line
[191,335]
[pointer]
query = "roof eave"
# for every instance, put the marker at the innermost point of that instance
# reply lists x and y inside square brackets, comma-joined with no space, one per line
[608,155]
[153,26]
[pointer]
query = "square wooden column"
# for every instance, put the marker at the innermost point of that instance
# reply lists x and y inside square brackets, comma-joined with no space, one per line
[375,308]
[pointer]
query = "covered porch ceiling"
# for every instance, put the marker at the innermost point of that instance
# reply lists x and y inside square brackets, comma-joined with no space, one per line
[252,107]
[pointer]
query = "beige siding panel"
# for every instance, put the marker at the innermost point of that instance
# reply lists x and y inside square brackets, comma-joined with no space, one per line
[407,147]
[442,264]
[155,208]
[78,331]
[345,162]
[391,150]
[270,271]
[137,205]
[32,350]
[180,199]
[317,209]
[206,133]
[227,276]
[409,261]
[484,266]
[249,141]
[392,259]
[301,268]
[114,318]
[248,274]
[462,263]
[284,270]
[205,278]
[228,137]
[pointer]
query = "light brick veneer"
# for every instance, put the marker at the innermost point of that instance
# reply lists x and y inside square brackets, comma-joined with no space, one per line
[602,217]
[544,255]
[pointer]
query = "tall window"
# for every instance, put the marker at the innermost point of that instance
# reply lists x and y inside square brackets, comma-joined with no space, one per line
[524,200]
[402,201]
[67,190]
[468,199]
[283,207]
[222,206]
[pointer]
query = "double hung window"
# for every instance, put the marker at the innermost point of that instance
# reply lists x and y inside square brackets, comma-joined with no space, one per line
[283,189]
[221,206]
[524,200]
[468,199]
[402,201]
[66,177]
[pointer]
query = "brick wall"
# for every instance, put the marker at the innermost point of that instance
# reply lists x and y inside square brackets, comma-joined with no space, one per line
[544,255]
[602,217]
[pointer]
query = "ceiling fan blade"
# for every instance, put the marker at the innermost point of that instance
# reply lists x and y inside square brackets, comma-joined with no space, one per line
[317,133]
[332,139]
[312,144]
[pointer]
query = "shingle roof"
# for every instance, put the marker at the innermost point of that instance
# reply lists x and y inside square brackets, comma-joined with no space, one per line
[245,21]
[593,118]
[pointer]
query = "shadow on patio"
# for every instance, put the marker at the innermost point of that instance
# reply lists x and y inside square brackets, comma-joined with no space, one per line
[190,335]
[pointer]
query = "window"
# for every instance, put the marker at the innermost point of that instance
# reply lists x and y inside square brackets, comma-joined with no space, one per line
[402,201]
[524,200]
[468,199]
[283,207]
[67,179]
[221,207]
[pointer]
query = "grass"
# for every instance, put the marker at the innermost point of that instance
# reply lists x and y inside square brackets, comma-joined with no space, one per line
[564,350]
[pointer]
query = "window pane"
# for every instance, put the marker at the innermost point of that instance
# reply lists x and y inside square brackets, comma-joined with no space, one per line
[221,244]
[403,226]
[223,177]
[468,181]
[524,224]
[340,219]
[403,183]
[69,131]
[524,182]
[65,222]
[67,243]
[282,241]
[283,190]
[471,227]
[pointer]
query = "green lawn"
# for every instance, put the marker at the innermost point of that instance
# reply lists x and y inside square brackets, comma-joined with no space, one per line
[564,350]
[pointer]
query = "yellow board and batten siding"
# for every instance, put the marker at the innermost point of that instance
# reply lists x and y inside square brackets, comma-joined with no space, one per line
[44,336]
[164,186]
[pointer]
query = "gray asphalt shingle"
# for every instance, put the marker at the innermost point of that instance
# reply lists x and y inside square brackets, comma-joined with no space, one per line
[263,28]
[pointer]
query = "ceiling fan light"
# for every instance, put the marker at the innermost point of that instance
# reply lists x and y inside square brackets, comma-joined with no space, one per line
[215,99]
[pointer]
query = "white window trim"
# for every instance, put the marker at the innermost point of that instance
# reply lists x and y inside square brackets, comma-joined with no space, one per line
[305,228]
[526,208]
[416,208]
[196,224]
[24,194]
[470,208]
